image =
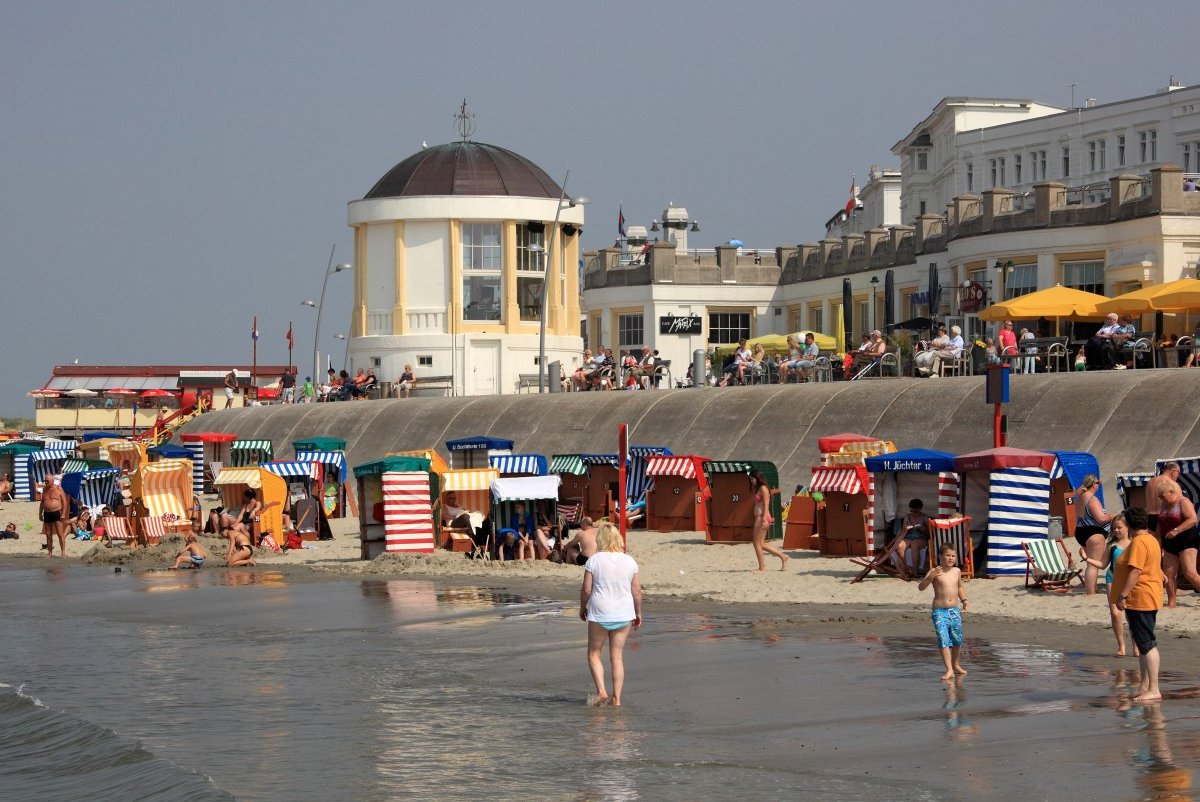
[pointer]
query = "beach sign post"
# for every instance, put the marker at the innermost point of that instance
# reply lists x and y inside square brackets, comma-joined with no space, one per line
[997,395]
[622,464]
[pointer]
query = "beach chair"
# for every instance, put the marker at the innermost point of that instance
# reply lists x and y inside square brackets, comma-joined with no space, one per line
[957,532]
[304,518]
[116,529]
[152,530]
[1048,566]
[885,562]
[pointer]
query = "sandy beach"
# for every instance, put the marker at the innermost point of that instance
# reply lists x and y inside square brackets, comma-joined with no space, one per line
[676,565]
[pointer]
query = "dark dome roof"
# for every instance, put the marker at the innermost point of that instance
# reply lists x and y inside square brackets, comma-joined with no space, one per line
[465,168]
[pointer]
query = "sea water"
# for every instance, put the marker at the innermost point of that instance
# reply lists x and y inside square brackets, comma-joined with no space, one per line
[253,685]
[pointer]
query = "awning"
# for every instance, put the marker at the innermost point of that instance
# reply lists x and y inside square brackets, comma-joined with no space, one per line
[727,466]
[567,463]
[169,451]
[1140,479]
[600,459]
[75,466]
[470,479]
[841,479]
[392,465]
[336,459]
[99,383]
[48,455]
[252,445]
[649,451]
[525,488]
[319,444]
[834,442]
[237,476]
[675,465]
[530,464]
[995,459]
[437,464]
[207,437]
[309,470]
[89,436]
[479,443]
[920,460]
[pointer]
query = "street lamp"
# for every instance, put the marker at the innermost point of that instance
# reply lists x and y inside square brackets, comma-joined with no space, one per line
[346,353]
[563,203]
[1005,269]
[330,269]
[874,284]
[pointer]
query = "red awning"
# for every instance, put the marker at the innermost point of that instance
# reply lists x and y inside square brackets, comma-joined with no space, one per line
[208,437]
[995,459]
[839,479]
[834,442]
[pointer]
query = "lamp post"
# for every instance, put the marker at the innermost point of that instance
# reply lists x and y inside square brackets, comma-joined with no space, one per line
[1005,269]
[674,225]
[346,353]
[874,315]
[330,269]
[563,203]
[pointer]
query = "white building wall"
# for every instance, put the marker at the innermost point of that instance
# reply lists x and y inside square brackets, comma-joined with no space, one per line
[381,277]
[427,275]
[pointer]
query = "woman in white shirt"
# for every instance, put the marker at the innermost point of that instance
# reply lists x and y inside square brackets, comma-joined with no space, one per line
[610,601]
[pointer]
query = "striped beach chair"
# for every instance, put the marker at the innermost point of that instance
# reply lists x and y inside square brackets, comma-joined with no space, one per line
[1048,566]
[957,532]
[117,529]
[153,530]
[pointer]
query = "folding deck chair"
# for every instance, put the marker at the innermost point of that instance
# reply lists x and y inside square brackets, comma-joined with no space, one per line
[152,530]
[1048,566]
[957,532]
[116,529]
[882,563]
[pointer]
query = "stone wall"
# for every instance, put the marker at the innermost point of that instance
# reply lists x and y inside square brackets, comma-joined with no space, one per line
[1126,418]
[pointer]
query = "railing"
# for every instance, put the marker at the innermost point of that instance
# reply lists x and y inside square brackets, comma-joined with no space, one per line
[1088,194]
[426,320]
[1137,191]
[379,322]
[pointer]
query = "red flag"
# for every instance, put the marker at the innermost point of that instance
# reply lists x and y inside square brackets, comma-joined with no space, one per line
[621,221]
[291,342]
[851,204]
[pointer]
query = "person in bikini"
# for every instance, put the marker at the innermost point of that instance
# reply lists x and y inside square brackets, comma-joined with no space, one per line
[948,592]
[914,536]
[763,521]
[52,512]
[240,552]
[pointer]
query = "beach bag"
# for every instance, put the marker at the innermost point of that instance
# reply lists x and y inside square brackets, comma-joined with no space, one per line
[294,541]
[268,541]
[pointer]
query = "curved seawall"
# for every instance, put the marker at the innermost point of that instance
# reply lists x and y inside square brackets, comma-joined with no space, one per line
[1127,419]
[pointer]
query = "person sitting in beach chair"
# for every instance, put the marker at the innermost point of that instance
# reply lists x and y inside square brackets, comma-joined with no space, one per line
[526,532]
[6,487]
[913,533]
[192,555]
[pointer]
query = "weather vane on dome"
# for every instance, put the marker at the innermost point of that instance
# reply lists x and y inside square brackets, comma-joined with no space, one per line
[465,122]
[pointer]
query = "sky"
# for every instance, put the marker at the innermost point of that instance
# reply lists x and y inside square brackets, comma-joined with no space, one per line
[168,170]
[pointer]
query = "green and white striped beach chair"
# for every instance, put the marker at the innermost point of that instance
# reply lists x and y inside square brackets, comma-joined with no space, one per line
[1048,566]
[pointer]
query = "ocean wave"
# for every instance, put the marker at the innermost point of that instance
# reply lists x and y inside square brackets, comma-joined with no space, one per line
[46,754]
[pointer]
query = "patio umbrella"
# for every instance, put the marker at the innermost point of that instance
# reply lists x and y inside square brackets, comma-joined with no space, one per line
[120,391]
[889,300]
[43,393]
[847,313]
[1182,295]
[157,394]
[934,292]
[1057,302]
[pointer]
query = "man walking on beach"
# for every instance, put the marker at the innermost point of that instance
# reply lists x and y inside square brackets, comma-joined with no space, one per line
[231,385]
[1139,578]
[52,512]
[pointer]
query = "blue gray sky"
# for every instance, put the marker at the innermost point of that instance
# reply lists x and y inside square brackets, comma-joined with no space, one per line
[170,170]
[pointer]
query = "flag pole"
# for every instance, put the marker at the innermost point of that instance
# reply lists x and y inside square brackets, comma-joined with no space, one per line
[289,339]
[254,354]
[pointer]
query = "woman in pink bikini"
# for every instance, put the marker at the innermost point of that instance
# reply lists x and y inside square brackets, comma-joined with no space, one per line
[763,520]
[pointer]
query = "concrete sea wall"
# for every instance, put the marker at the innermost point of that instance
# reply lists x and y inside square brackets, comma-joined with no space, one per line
[1126,418]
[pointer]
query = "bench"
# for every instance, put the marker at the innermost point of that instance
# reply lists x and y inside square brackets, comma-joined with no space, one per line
[1050,351]
[438,384]
[527,380]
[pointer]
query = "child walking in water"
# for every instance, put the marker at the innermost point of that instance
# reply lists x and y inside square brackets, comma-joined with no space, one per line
[948,590]
[1119,543]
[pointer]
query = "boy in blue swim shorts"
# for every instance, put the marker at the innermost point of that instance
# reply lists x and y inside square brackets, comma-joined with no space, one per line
[192,555]
[948,592]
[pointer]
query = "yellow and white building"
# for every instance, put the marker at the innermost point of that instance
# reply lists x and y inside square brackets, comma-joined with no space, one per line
[451,250]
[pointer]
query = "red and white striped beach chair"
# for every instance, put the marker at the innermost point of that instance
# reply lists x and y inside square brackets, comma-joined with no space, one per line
[154,529]
[117,529]
[957,532]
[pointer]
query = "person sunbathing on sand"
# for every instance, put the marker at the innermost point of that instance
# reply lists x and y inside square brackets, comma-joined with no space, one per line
[192,555]
[948,589]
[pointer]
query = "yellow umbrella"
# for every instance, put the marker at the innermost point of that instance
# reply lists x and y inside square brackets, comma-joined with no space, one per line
[777,343]
[1182,295]
[1056,302]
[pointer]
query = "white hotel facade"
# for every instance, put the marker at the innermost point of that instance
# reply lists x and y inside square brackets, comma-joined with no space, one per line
[1089,197]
